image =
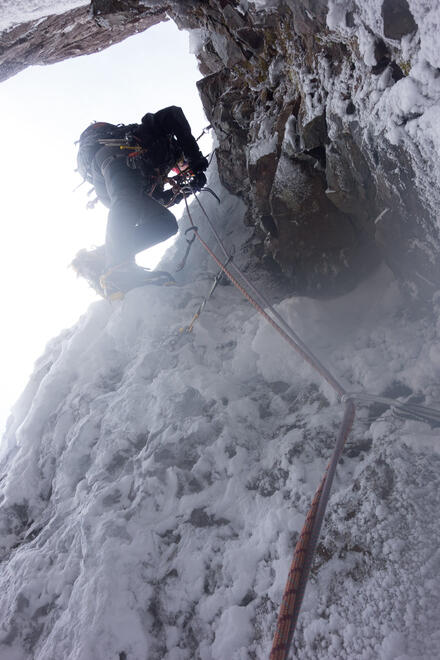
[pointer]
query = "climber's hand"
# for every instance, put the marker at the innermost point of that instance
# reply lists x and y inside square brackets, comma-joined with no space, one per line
[198,163]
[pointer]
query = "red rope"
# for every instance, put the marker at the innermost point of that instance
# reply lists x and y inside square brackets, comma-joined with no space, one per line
[316,362]
[308,358]
[305,548]
[291,602]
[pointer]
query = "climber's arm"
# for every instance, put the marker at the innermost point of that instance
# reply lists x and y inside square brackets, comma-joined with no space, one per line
[173,121]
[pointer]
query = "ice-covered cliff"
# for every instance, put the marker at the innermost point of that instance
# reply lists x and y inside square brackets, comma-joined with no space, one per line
[154,482]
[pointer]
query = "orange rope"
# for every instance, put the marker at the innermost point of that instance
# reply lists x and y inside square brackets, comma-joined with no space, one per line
[305,548]
[267,304]
[308,358]
[290,603]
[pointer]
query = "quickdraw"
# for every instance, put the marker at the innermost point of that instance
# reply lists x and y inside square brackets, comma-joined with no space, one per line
[190,242]
[180,183]
[216,282]
[205,130]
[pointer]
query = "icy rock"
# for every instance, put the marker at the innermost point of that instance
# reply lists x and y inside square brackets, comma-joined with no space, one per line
[154,483]
[397,19]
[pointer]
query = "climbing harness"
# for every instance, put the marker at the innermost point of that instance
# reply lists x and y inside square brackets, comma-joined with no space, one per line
[308,540]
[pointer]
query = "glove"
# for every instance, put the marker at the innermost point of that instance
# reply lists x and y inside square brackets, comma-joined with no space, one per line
[198,163]
[198,182]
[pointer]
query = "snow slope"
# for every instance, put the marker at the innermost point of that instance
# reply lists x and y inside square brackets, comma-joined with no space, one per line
[15,12]
[154,482]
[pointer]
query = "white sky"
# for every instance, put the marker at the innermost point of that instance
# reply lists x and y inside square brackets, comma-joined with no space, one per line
[43,111]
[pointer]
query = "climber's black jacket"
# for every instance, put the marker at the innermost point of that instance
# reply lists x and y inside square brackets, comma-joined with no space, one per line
[166,136]
[137,218]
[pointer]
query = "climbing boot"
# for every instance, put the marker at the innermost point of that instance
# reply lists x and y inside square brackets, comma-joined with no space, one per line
[120,279]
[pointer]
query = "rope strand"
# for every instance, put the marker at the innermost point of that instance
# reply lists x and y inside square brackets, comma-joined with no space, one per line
[306,546]
[293,341]
[290,331]
[423,413]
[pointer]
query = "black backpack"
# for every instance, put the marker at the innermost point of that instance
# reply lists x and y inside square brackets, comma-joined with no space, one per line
[160,151]
[89,144]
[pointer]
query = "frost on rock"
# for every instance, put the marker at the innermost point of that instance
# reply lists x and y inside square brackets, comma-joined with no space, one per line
[344,97]
[15,12]
[154,482]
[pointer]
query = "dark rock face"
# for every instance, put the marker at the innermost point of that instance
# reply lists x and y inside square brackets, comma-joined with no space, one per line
[397,19]
[81,31]
[283,91]
[315,179]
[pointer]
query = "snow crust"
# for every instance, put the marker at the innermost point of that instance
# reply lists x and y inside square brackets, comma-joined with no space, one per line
[14,12]
[406,112]
[154,482]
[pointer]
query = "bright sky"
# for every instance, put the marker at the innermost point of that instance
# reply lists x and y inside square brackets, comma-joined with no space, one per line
[43,111]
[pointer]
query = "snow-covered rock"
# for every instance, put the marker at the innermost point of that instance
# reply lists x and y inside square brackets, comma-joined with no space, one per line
[154,481]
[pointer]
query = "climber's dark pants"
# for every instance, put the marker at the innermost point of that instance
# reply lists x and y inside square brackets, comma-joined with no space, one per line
[135,220]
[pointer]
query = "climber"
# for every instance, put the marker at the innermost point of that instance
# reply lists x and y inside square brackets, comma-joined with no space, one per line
[128,167]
